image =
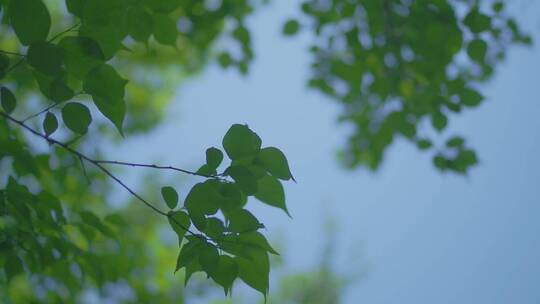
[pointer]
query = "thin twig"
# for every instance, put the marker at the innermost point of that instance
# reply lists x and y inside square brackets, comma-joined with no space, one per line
[12,53]
[64,31]
[113,162]
[49,107]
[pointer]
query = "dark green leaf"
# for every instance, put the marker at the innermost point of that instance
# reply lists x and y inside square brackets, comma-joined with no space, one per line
[50,123]
[256,239]
[170,196]
[107,90]
[455,142]
[270,191]
[214,157]
[76,117]
[439,120]
[165,30]
[214,227]
[139,23]
[204,198]
[180,222]
[30,20]
[477,49]
[476,21]
[240,142]
[275,162]
[45,57]
[189,253]
[243,221]
[470,97]
[254,270]
[81,55]
[424,144]
[291,27]
[75,7]
[243,178]
[208,258]
[9,102]
[233,198]
[206,170]
[225,273]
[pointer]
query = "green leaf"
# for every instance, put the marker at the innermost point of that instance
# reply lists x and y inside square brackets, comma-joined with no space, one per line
[75,7]
[81,55]
[170,196]
[455,142]
[105,21]
[206,170]
[424,144]
[30,20]
[214,157]
[50,123]
[107,90]
[270,191]
[139,23]
[204,198]
[275,162]
[54,88]
[76,117]
[9,102]
[291,27]
[243,221]
[476,21]
[254,271]
[256,239]
[477,49]
[240,142]
[208,258]
[233,198]
[470,97]
[225,273]
[165,30]
[439,120]
[45,57]
[179,222]
[189,253]
[214,227]
[243,178]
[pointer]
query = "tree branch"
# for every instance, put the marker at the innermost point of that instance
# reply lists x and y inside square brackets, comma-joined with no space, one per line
[53,141]
[113,162]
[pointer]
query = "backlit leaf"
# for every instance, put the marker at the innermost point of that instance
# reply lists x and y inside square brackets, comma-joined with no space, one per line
[77,117]
[50,123]
[170,196]
[9,102]
[240,142]
[275,162]
[270,191]
[30,20]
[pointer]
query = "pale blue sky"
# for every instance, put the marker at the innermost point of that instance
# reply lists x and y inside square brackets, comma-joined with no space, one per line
[427,237]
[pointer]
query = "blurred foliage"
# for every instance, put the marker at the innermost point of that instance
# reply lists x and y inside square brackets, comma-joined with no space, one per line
[399,66]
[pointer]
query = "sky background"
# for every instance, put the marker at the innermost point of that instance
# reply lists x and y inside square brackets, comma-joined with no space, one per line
[423,236]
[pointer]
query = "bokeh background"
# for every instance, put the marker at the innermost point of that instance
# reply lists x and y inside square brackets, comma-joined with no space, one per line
[405,234]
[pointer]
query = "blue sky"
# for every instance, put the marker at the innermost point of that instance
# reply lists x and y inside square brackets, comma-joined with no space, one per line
[427,237]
